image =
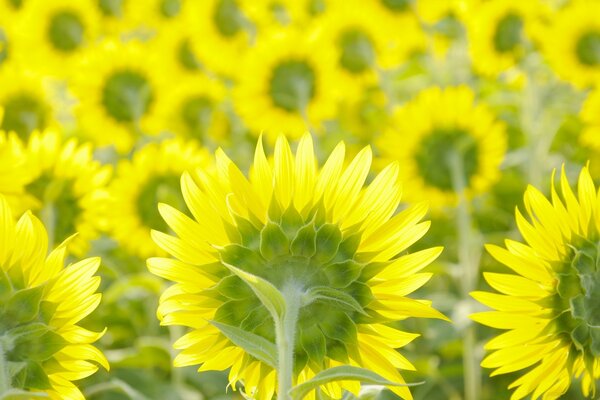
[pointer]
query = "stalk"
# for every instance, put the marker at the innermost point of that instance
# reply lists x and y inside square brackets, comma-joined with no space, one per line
[285,336]
[5,382]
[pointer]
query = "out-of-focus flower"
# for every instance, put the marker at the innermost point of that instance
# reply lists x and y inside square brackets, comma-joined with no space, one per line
[549,308]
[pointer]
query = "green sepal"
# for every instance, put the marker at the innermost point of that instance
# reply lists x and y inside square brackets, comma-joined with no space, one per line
[5,287]
[291,221]
[304,244]
[348,247]
[578,307]
[273,241]
[340,327]
[24,305]
[580,335]
[328,241]
[232,311]
[341,373]
[595,344]
[36,377]
[568,285]
[234,254]
[342,274]
[232,287]
[268,294]
[275,212]
[16,394]
[584,262]
[37,345]
[313,343]
[256,346]
[249,233]
[329,295]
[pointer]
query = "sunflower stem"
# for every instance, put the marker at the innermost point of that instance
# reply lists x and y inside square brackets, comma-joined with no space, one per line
[5,381]
[285,336]
[472,372]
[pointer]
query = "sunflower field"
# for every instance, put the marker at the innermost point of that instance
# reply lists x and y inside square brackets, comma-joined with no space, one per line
[299,199]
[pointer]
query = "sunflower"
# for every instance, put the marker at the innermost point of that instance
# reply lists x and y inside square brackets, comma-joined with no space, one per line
[119,89]
[151,176]
[590,116]
[549,308]
[117,16]
[26,102]
[266,14]
[304,230]
[289,81]
[41,303]
[572,43]
[219,27]
[159,14]
[499,34]
[55,33]
[67,189]
[435,131]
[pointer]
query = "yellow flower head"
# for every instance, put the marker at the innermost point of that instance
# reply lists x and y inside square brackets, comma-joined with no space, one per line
[41,302]
[435,131]
[288,80]
[119,88]
[56,33]
[549,308]
[572,43]
[67,189]
[26,102]
[151,176]
[320,230]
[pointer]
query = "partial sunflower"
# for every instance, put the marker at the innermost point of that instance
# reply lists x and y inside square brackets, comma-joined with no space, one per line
[56,33]
[572,43]
[159,14]
[406,37]
[432,12]
[219,27]
[549,308]
[436,131]
[26,101]
[117,16]
[291,223]
[288,82]
[119,87]
[150,177]
[67,189]
[500,33]
[10,49]
[590,116]
[41,302]
[266,14]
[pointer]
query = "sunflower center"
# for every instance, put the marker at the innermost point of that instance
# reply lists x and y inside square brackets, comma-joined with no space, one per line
[159,189]
[16,4]
[111,8]
[170,8]
[23,113]
[3,46]
[434,157]
[228,18]
[127,96]
[588,49]
[196,113]
[396,5]
[61,196]
[579,291]
[508,33]
[307,253]
[66,31]
[358,53]
[292,85]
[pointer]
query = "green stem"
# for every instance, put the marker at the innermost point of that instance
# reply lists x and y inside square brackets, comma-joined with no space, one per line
[5,381]
[472,371]
[285,336]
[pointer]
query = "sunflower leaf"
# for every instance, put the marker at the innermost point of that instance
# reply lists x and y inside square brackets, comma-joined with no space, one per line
[342,373]
[255,345]
[268,294]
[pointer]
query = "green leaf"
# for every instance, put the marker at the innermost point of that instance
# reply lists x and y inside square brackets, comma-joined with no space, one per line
[24,305]
[342,373]
[256,346]
[273,241]
[268,294]
[16,394]
[328,294]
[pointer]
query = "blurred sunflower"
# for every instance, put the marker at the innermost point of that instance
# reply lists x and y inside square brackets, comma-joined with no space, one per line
[287,82]
[219,27]
[55,33]
[572,43]
[41,302]
[590,116]
[440,133]
[294,226]
[159,14]
[9,47]
[500,32]
[550,306]
[117,16]
[26,102]
[150,177]
[174,45]
[14,174]
[67,189]
[119,88]
[266,14]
